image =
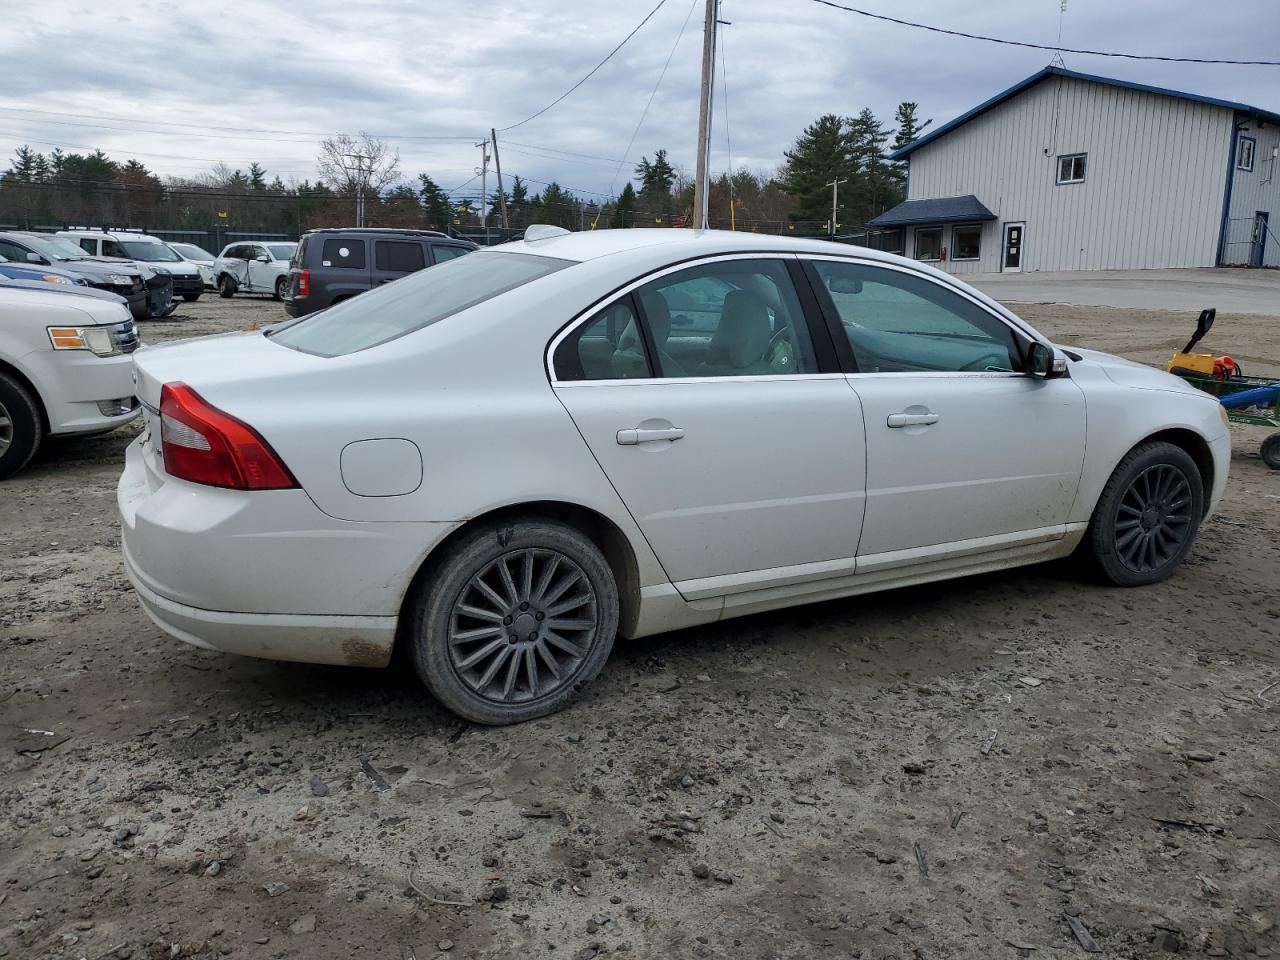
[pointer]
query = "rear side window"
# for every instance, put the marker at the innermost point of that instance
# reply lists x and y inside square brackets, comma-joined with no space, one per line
[420,299]
[398,256]
[347,254]
[607,347]
[443,253]
[88,245]
[300,253]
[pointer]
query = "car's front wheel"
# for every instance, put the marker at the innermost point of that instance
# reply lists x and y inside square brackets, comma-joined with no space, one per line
[20,426]
[1147,516]
[514,620]
[226,286]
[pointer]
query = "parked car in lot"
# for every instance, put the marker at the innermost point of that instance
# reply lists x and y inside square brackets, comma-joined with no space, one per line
[333,265]
[253,268]
[202,259]
[515,456]
[119,277]
[64,366]
[30,271]
[144,249]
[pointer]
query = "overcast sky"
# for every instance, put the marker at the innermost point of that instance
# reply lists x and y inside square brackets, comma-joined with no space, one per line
[454,68]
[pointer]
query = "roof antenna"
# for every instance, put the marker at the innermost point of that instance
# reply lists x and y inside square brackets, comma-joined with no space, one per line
[1057,60]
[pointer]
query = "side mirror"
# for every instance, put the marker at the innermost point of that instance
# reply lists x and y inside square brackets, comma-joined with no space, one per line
[1044,362]
[33,257]
[263,258]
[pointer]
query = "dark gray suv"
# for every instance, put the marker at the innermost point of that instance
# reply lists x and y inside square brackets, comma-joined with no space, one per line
[334,264]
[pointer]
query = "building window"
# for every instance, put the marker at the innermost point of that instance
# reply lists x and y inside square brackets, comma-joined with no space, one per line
[1071,168]
[929,243]
[1244,153]
[966,241]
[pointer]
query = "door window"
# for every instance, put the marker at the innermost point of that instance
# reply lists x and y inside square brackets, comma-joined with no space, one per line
[11,251]
[343,253]
[732,318]
[88,245]
[609,346]
[112,249]
[443,253]
[901,323]
[398,256]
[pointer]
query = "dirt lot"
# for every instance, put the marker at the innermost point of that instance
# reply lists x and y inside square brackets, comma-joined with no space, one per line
[813,783]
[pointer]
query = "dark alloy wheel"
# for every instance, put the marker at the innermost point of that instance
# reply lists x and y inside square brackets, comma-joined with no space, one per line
[1147,516]
[514,620]
[1154,518]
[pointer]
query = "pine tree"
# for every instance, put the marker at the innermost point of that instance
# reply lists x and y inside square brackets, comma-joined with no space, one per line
[624,211]
[656,181]
[257,178]
[908,124]
[435,203]
[821,154]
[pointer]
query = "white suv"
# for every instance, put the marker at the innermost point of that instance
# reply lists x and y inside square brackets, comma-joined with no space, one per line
[259,267]
[65,368]
[141,248]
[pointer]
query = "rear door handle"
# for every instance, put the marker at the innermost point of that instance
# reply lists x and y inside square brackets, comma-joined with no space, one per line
[897,420]
[629,438]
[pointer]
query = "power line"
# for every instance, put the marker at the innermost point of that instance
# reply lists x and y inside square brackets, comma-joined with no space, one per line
[1042,46]
[590,74]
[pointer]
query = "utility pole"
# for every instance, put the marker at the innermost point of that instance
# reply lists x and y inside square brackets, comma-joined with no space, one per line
[701,184]
[835,193]
[502,196]
[484,187]
[359,158]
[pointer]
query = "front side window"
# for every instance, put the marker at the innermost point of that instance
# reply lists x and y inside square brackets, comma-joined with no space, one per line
[966,242]
[420,299]
[442,252]
[398,256]
[112,249]
[732,318]
[88,245]
[11,251]
[1245,151]
[929,243]
[1071,169]
[348,254]
[898,322]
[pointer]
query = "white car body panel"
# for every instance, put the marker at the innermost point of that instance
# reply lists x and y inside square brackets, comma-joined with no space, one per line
[752,509]
[252,276]
[68,383]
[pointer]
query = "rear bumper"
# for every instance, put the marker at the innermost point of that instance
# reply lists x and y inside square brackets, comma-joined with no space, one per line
[266,573]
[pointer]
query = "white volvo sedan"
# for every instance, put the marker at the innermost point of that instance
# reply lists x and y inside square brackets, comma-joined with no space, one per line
[506,461]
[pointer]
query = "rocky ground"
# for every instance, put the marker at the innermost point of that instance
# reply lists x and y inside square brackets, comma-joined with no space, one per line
[1017,765]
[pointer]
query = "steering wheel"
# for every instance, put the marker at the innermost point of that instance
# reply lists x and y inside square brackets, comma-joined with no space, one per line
[781,351]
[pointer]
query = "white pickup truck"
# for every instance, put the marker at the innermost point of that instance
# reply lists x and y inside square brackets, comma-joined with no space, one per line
[65,367]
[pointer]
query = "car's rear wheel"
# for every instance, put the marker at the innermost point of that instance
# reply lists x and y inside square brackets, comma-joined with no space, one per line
[226,286]
[1270,451]
[20,426]
[514,620]
[1147,516]
[282,287]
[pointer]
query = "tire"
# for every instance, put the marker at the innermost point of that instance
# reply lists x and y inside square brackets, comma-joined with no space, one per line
[226,286]
[21,428]
[1147,516]
[1271,451]
[191,297]
[479,686]
[282,287]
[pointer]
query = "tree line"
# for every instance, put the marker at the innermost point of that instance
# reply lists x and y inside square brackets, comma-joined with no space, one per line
[94,189]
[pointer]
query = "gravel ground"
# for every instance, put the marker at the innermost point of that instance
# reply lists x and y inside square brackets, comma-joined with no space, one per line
[1015,765]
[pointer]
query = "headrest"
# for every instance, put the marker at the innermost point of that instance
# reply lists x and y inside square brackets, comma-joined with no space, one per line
[658,312]
[744,331]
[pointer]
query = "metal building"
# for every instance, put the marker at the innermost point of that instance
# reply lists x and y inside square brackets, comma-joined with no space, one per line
[1068,171]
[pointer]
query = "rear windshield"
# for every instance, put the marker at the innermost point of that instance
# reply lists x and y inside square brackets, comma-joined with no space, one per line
[413,302]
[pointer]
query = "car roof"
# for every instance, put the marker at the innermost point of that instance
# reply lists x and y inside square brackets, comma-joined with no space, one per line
[379,231]
[109,234]
[679,244]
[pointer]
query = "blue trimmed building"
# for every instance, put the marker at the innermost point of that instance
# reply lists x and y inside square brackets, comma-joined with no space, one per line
[1069,171]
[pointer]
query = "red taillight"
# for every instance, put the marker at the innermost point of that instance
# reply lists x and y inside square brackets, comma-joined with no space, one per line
[304,283]
[204,445]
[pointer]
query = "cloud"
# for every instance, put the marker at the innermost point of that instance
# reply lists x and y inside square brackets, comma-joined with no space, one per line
[452,68]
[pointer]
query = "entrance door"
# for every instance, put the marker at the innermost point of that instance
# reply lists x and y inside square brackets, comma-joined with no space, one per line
[1013,247]
[1259,248]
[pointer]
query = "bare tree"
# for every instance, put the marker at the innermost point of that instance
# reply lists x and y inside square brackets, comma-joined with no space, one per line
[346,161]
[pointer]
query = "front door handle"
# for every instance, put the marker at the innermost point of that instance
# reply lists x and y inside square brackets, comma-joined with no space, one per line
[897,420]
[629,438]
